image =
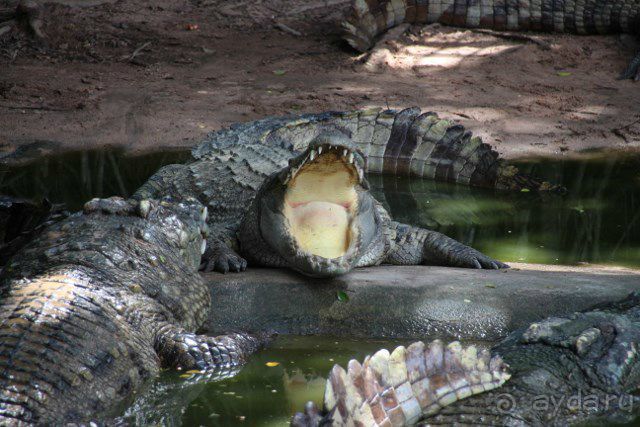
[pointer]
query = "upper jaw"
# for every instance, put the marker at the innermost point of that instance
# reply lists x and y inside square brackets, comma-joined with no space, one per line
[344,150]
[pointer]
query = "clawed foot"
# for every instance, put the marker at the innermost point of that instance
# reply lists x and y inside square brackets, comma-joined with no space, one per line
[633,70]
[448,252]
[471,258]
[220,258]
[189,351]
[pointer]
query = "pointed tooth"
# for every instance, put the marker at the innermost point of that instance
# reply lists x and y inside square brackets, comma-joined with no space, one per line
[350,158]
[312,155]
[203,247]
[320,150]
[344,153]
[204,214]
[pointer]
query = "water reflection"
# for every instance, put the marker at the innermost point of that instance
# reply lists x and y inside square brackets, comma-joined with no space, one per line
[598,221]
[259,395]
[77,176]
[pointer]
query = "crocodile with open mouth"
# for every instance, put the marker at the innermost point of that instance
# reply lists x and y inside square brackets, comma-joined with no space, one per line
[292,192]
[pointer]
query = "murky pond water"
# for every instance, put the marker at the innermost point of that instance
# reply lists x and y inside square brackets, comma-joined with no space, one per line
[259,395]
[598,221]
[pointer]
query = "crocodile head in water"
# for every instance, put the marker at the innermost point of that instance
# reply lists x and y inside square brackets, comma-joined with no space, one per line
[316,215]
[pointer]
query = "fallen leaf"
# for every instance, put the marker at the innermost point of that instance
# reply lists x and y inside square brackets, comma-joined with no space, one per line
[191,27]
[564,73]
[342,296]
[279,72]
[272,364]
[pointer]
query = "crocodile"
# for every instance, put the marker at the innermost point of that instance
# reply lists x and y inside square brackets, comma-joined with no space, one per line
[291,191]
[97,303]
[368,19]
[582,368]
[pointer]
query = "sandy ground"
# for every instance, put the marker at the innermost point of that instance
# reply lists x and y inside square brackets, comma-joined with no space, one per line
[149,75]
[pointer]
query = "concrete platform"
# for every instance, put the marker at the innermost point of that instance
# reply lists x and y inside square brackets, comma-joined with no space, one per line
[410,302]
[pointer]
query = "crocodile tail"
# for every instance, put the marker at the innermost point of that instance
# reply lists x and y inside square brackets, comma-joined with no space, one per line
[408,384]
[370,18]
[402,143]
[367,19]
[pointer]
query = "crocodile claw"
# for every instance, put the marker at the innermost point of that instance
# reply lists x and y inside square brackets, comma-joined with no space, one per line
[475,259]
[222,259]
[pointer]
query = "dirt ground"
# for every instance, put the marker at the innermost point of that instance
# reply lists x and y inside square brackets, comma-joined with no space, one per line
[151,75]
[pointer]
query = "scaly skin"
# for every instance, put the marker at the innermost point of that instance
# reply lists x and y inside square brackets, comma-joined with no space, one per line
[98,303]
[370,18]
[560,371]
[238,170]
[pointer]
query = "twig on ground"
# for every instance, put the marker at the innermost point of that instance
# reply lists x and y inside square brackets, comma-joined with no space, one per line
[514,37]
[287,29]
[138,51]
[619,132]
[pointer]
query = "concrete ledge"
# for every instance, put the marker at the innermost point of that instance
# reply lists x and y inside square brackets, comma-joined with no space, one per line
[410,302]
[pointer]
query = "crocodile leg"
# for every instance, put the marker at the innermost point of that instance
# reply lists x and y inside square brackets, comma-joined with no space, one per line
[179,348]
[221,258]
[413,246]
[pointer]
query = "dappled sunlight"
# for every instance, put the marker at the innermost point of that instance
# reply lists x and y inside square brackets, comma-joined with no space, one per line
[412,57]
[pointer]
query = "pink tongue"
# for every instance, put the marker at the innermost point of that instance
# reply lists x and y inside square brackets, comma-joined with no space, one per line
[321,228]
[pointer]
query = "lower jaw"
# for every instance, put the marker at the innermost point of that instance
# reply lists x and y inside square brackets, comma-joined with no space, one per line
[321,229]
[326,271]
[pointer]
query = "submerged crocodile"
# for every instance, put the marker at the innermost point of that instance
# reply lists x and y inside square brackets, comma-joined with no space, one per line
[291,191]
[97,303]
[560,371]
[370,18]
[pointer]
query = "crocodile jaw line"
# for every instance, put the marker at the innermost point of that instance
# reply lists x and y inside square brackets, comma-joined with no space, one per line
[321,201]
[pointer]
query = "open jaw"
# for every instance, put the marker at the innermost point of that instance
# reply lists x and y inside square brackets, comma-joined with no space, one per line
[321,201]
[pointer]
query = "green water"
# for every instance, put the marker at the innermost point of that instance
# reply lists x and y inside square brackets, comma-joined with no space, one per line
[74,177]
[259,395]
[598,221]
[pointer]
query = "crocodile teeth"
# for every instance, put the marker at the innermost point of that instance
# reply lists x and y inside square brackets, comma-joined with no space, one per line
[344,153]
[360,174]
[320,150]
[203,247]
[312,155]
[350,158]
[204,214]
